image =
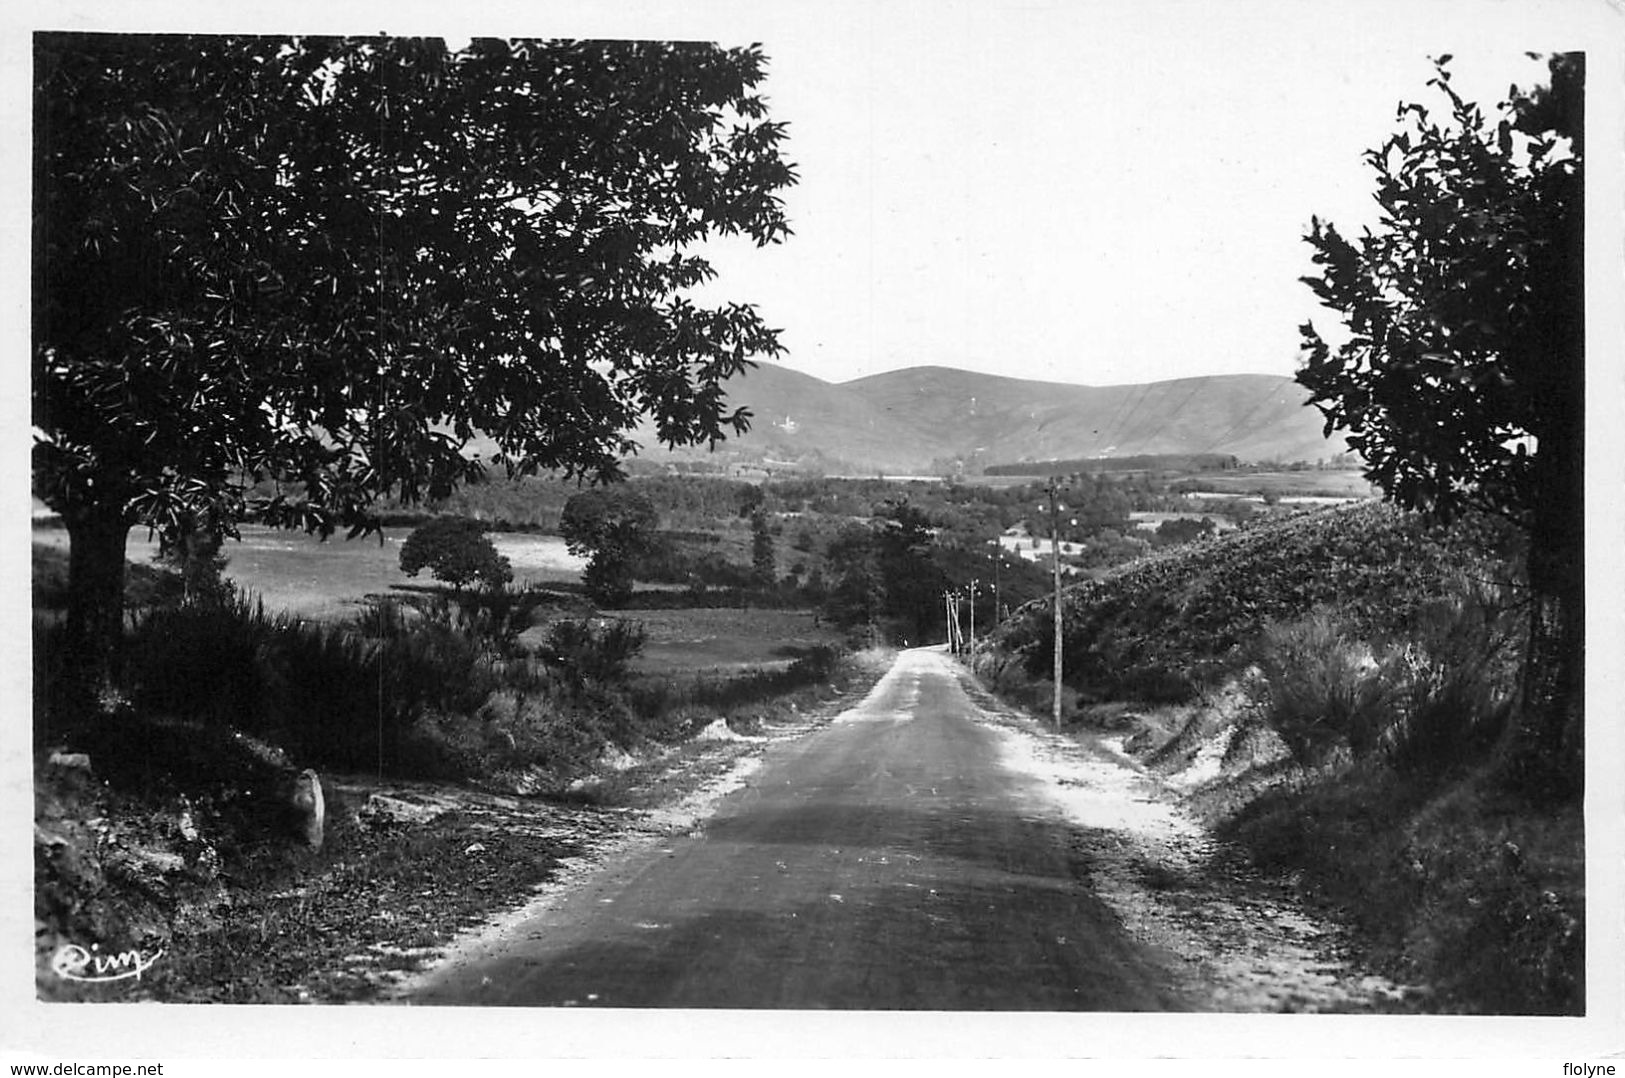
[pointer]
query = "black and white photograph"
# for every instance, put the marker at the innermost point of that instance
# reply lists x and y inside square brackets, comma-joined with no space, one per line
[955,529]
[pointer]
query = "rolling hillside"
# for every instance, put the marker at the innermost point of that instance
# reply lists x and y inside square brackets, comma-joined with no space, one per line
[903,421]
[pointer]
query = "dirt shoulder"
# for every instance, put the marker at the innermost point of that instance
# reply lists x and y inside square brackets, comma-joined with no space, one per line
[1246,943]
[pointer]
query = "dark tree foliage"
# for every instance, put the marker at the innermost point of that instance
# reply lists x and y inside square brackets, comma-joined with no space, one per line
[750,499]
[1182,530]
[854,594]
[763,559]
[611,526]
[905,537]
[457,551]
[1462,381]
[192,552]
[885,576]
[329,264]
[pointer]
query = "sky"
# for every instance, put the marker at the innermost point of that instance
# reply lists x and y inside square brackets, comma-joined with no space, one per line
[1085,193]
[1088,191]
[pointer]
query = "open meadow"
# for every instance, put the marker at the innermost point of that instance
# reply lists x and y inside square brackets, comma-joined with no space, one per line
[1336,485]
[298,574]
[726,640]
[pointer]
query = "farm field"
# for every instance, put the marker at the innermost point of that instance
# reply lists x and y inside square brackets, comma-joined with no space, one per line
[1331,484]
[299,574]
[725,640]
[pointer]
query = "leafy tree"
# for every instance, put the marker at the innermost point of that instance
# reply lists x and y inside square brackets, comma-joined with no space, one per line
[854,595]
[455,550]
[611,526]
[1096,505]
[1182,530]
[905,541]
[1462,380]
[884,576]
[276,278]
[750,499]
[763,562]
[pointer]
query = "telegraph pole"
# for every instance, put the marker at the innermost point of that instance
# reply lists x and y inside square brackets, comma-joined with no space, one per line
[1055,561]
[973,589]
[998,556]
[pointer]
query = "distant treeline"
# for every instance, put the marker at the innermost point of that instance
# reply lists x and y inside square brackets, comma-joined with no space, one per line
[1150,462]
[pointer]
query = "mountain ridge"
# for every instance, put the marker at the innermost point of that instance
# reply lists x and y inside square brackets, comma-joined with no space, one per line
[928,418]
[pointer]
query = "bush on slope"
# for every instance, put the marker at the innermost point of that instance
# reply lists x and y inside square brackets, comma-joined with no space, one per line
[1164,627]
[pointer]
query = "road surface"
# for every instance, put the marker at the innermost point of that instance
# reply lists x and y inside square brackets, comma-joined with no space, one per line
[884,861]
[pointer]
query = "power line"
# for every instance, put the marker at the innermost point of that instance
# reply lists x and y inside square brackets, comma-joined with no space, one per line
[1115,423]
[1242,422]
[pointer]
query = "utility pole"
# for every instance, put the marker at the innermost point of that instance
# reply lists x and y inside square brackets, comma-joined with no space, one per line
[998,556]
[1055,561]
[972,649]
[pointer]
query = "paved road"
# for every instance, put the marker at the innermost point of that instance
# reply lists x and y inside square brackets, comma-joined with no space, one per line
[884,861]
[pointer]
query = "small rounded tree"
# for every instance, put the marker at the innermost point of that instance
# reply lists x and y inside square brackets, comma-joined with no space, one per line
[456,551]
[613,527]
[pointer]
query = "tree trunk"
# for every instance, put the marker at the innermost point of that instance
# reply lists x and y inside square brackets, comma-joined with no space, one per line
[1545,750]
[94,633]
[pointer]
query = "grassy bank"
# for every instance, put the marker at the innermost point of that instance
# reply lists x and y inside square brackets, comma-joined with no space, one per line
[1330,692]
[1478,896]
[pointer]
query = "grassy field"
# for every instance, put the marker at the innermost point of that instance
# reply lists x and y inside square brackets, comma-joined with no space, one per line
[725,640]
[296,574]
[301,575]
[1332,484]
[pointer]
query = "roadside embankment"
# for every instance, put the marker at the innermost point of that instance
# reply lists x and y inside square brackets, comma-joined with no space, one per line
[1330,695]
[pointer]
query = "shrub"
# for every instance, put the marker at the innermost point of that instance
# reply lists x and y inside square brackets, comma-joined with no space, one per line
[492,620]
[1321,691]
[589,653]
[456,551]
[1459,675]
[194,557]
[205,662]
[346,696]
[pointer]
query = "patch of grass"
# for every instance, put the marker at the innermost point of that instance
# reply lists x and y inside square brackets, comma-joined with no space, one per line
[1461,888]
[691,639]
[743,699]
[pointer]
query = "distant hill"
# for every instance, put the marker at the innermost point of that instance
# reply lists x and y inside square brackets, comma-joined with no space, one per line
[913,420]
